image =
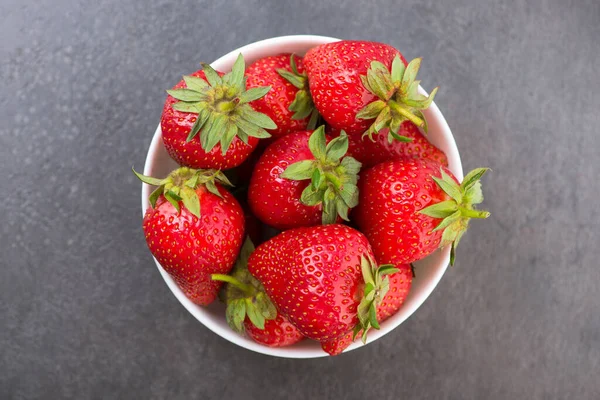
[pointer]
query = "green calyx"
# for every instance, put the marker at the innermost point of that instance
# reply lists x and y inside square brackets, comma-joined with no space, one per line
[221,104]
[244,295]
[303,105]
[457,211]
[181,185]
[399,98]
[377,285]
[332,176]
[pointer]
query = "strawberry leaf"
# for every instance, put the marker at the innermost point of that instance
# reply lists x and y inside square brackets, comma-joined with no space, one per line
[256,118]
[349,194]
[236,76]
[449,220]
[312,197]
[186,95]
[337,148]
[397,69]
[155,195]
[474,195]
[296,80]
[442,209]
[300,170]
[218,129]
[372,110]
[350,165]
[255,94]
[230,134]
[200,121]
[212,76]
[316,143]
[173,199]
[187,107]
[473,177]
[191,201]
[317,179]
[235,315]
[448,185]
[410,74]
[251,129]
[195,83]
[255,317]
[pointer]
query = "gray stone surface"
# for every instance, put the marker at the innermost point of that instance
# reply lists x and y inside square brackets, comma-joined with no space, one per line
[83,310]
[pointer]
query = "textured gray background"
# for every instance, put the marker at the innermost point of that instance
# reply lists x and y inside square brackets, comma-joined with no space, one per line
[83,310]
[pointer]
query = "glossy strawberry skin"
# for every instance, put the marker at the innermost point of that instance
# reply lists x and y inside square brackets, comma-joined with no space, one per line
[370,153]
[313,277]
[278,332]
[400,283]
[276,102]
[275,200]
[391,194]
[334,71]
[190,249]
[176,125]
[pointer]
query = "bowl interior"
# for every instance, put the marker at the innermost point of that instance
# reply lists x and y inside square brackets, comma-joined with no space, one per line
[429,270]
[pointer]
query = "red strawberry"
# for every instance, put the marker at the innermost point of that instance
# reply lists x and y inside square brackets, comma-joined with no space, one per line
[363,87]
[249,309]
[410,207]
[383,148]
[207,121]
[194,228]
[288,103]
[322,278]
[399,287]
[278,332]
[302,181]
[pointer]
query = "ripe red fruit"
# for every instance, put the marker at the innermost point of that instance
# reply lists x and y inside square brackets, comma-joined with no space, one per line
[207,121]
[334,71]
[194,228]
[382,148]
[400,283]
[323,279]
[249,309]
[363,87]
[302,181]
[410,207]
[288,103]
[278,332]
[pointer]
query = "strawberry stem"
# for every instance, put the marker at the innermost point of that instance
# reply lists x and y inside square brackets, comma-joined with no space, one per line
[473,213]
[231,280]
[405,113]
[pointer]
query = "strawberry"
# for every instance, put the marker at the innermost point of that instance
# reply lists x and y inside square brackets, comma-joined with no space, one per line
[300,180]
[363,87]
[412,206]
[288,103]
[278,332]
[399,286]
[194,228]
[207,121]
[249,309]
[381,148]
[323,279]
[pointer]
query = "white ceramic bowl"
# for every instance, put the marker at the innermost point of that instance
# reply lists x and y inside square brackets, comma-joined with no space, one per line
[429,270]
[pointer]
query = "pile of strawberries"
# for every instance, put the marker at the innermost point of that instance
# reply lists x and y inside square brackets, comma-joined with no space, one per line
[323,163]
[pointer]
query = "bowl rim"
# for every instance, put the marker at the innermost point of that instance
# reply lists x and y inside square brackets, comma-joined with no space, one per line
[290,352]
